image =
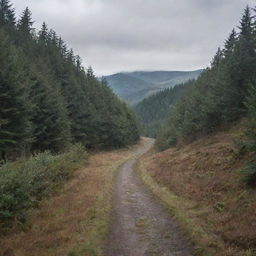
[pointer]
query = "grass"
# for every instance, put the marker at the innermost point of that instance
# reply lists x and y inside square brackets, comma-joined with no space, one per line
[182,210]
[202,185]
[25,182]
[74,220]
[97,221]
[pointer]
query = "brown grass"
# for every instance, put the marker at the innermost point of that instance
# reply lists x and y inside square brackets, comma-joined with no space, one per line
[74,220]
[204,180]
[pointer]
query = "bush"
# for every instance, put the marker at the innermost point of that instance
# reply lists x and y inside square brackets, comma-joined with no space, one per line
[250,174]
[25,182]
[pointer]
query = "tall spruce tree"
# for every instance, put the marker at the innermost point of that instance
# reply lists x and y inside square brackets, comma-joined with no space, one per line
[25,23]
[14,112]
[217,58]
[49,117]
[7,14]
[230,43]
[246,46]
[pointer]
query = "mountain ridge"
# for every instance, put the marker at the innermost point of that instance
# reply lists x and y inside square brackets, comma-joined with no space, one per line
[135,86]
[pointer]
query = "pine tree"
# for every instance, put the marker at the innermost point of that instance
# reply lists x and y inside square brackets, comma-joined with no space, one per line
[63,98]
[49,117]
[230,43]
[7,14]
[217,58]
[25,23]
[43,33]
[62,47]
[244,65]
[14,111]
[246,24]
[90,73]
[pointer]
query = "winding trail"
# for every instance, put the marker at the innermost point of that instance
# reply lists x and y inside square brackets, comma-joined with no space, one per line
[141,225]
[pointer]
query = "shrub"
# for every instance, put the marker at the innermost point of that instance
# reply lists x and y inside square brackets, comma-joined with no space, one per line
[26,181]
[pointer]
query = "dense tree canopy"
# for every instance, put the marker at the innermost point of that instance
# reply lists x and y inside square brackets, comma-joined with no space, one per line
[153,110]
[223,93]
[48,100]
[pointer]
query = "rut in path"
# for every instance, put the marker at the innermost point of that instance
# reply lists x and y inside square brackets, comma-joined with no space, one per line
[141,226]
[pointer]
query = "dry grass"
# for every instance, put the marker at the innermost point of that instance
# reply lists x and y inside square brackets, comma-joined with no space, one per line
[201,183]
[73,221]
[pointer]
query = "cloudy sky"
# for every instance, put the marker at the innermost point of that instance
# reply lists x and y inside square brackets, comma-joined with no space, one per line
[127,35]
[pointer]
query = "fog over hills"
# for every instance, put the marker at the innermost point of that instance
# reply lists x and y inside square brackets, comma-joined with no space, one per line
[135,86]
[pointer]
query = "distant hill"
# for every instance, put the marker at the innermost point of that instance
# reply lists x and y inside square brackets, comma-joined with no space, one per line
[136,86]
[152,111]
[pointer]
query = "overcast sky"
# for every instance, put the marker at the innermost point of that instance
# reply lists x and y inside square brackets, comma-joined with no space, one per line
[127,35]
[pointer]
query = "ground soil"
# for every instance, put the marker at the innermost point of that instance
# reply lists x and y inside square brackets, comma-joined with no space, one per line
[207,175]
[75,219]
[141,225]
[72,220]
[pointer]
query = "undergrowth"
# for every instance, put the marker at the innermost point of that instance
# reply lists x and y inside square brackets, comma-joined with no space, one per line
[25,182]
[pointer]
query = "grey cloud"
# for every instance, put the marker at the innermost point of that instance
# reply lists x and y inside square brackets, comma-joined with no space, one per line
[115,35]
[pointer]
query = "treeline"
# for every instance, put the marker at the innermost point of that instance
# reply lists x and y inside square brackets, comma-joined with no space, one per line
[48,100]
[153,110]
[225,92]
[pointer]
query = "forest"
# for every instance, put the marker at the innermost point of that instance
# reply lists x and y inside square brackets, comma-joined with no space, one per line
[77,179]
[49,101]
[153,110]
[53,111]
[224,92]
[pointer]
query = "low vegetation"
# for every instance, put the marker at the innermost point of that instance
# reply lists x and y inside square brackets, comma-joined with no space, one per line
[74,220]
[202,184]
[25,182]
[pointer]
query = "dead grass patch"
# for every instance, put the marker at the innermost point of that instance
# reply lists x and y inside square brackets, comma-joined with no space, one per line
[201,183]
[74,220]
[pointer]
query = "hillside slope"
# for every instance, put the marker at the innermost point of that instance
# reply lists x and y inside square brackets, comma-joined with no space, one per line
[207,192]
[135,86]
[152,111]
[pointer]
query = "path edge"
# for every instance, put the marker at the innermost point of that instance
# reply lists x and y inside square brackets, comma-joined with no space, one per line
[180,209]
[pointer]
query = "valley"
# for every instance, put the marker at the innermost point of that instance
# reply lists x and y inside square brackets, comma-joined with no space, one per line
[133,87]
[138,163]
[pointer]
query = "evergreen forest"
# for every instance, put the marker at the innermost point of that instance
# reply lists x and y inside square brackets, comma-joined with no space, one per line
[224,93]
[49,101]
[153,110]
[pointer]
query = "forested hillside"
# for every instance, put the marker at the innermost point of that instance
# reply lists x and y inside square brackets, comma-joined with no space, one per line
[48,100]
[133,87]
[153,110]
[224,92]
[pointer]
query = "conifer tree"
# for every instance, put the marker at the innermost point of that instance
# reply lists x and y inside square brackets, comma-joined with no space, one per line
[25,23]
[43,33]
[217,58]
[14,111]
[244,54]
[246,24]
[230,43]
[52,97]
[7,14]
[49,117]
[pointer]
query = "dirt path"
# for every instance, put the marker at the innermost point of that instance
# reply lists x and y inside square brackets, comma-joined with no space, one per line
[140,224]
